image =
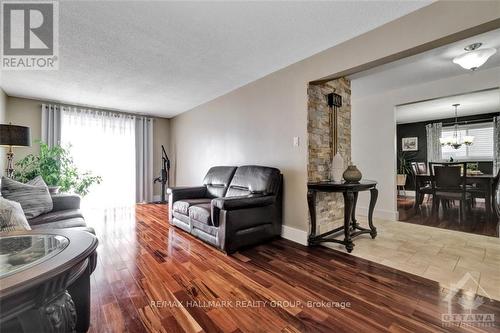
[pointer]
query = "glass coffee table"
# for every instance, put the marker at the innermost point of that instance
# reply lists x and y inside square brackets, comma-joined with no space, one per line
[45,280]
[22,252]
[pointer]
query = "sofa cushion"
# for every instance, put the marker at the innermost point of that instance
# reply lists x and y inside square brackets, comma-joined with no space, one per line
[208,229]
[201,213]
[65,202]
[68,223]
[181,217]
[87,229]
[12,216]
[217,180]
[182,206]
[34,199]
[181,221]
[56,216]
[254,179]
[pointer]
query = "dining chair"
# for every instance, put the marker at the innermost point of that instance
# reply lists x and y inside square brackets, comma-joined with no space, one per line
[480,192]
[414,167]
[422,168]
[448,185]
[424,189]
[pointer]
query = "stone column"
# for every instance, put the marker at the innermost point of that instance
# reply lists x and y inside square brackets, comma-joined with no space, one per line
[329,206]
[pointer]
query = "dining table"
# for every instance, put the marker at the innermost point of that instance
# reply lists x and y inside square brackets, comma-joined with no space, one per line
[485,181]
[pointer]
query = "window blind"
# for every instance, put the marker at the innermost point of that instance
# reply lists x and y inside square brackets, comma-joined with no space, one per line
[481,149]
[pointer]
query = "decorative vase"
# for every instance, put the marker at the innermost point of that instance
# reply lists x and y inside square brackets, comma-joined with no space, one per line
[337,168]
[54,189]
[352,174]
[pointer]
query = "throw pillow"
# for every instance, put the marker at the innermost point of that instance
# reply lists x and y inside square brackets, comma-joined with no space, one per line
[37,181]
[12,217]
[35,200]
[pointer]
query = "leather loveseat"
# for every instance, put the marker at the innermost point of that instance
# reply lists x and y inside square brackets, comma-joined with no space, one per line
[235,207]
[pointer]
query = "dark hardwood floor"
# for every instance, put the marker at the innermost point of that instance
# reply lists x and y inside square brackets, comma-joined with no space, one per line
[476,222]
[278,287]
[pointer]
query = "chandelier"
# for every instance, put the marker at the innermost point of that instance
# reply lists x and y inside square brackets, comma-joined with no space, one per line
[456,140]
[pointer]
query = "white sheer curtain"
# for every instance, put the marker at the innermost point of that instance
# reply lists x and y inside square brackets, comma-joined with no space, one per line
[496,144]
[104,143]
[433,144]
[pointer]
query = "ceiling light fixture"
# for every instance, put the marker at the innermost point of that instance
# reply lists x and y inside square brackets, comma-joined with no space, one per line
[474,58]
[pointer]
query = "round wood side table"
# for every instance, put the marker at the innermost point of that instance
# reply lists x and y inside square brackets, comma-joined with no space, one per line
[45,280]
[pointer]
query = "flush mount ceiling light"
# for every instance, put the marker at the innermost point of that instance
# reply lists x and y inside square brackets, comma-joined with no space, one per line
[474,58]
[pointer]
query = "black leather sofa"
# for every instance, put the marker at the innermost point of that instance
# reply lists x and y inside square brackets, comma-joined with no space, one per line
[65,214]
[234,208]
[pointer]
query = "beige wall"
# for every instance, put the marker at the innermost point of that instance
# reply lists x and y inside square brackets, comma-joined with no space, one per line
[3,102]
[381,125]
[161,136]
[256,123]
[27,112]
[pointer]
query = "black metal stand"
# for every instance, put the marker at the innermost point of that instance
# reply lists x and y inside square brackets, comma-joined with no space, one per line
[350,228]
[165,174]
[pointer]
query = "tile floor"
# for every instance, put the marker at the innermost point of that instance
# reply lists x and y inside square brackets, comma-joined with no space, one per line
[444,256]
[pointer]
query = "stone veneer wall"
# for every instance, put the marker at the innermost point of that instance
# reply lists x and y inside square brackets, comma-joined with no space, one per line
[329,206]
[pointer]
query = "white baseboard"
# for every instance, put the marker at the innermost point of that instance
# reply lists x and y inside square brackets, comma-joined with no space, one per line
[294,235]
[379,213]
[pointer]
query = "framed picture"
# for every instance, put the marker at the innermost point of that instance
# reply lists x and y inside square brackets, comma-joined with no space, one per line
[410,144]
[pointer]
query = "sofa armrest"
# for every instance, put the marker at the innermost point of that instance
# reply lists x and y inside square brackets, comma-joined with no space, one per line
[179,193]
[65,202]
[243,221]
[233,203]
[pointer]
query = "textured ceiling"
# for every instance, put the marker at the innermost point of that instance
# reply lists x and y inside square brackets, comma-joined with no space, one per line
[428,66]
[163,58]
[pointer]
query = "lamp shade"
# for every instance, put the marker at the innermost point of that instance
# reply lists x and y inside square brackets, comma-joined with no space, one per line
[474,59]
[13,135]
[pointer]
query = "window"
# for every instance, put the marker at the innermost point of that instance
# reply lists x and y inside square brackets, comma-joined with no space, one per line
[103,143]
[480,150]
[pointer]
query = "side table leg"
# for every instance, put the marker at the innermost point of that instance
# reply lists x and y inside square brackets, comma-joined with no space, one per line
[80,293]
[373,201]
[348,204]
[311,202]
[353,214]
[56,316]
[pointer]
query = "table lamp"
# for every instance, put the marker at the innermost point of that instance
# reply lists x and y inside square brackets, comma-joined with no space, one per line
[13,136]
